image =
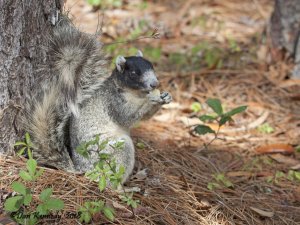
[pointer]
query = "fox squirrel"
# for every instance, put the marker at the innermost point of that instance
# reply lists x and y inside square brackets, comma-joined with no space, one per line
[80,100]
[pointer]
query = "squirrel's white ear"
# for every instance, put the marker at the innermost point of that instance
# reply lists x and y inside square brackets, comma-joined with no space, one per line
[120,62]
[139,53]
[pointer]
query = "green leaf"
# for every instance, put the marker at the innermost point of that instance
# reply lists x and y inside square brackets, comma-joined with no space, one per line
[227,183]
[196,107]
[102,183]
[27,199]
[121,170]
[205,118]
[103,145]
[25,176]
[215,104]
[32,219]
[27,138]
[94,2]
[224,119]
[19,187]
[219,177]
[104,156]
[119,144]
[265,128]
[92,175]
[54,204]
[13,204]
[29,153]
[297,175]
[18,143]
[82,150]
[42,209]
[211,186]
[140,145]
[291,175]
[133,203]
[202,129]
[109,213]
[21,151]
[85,217]
[39,173]
[45,194]
[279,174]
[31,166]
[237,110]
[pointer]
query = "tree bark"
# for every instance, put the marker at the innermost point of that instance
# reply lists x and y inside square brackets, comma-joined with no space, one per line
[285,30]
[285,24]
[23,26]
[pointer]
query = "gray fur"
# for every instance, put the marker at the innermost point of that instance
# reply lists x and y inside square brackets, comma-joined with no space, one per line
[113,116]
[81,100]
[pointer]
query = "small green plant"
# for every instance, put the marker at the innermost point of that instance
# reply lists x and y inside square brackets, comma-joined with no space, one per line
[265,128]
[25,145]
[20,204]
[32,172]
[213,58]
[220,180]
[292,175]
[128,199]
[257,163]
[91,208]
[220,117]
[105,171]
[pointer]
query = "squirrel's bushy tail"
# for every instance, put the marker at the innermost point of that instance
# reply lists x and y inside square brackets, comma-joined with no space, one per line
[78,69]
[78,60]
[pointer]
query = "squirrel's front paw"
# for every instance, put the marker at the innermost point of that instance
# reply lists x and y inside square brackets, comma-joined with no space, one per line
[161,98]
[165,98]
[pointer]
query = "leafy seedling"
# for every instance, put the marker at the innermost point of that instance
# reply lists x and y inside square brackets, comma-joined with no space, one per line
[24,145]
[220,117]
[105,172]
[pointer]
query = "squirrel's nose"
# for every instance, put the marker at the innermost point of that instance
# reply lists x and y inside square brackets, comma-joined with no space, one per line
[154,84]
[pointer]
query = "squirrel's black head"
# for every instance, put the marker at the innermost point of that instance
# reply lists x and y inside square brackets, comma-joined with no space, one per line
[136,72]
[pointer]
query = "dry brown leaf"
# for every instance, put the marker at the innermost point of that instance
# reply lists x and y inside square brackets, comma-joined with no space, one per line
[142,174]
[289,83]
[296,167]
[262,212]
[173,105]
[285,159]
[275,148]
[189,121]
[165,117]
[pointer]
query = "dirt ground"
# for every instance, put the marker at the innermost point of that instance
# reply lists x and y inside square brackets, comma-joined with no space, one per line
[207,49]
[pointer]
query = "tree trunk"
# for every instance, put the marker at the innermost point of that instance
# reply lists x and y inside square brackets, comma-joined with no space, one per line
[23,25]
[285,30]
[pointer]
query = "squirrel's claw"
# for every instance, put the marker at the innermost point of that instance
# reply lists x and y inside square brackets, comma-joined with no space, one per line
[166,97]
